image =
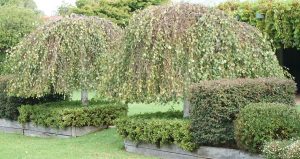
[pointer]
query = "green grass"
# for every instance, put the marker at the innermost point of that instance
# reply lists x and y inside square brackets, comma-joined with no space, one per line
[76,95]
[105,144]
[136,108]
[298,107]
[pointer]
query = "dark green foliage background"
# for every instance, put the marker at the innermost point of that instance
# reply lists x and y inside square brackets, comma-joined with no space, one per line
[71,113]
[258,123]
[215,104]
[15,23]
[30,4]
[157,128]
[118,11]
[281,19]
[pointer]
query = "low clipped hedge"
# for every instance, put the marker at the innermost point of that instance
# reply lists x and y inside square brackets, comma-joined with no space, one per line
[9,104]
[282,150]
[215,104]
[258,123]
[157,128]
[72,113]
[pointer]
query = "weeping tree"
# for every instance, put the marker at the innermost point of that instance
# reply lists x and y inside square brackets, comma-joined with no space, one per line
[72,53]
[169,47]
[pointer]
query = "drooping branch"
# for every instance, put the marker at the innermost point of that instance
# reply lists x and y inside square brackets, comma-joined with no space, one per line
[68,54]
[169,47]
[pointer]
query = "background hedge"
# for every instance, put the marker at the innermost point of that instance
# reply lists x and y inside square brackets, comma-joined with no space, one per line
[258,123]
[157,128]
[281,19]
[118,11]
[9,104]
[65,114]
[215,104]
[282,150]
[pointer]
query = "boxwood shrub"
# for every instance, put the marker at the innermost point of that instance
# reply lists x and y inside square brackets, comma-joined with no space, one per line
[66,114]
[157,128]
[282,150]
[258,123]
[9,104]
[215,104]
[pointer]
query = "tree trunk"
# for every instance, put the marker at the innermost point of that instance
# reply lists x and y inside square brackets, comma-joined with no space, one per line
[186,108]
[84,97]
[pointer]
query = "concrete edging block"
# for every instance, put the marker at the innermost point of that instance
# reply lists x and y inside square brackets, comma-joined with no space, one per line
[30,129]
[174,152]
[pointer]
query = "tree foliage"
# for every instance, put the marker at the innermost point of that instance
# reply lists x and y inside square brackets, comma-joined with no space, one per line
[169,47]
[65,55]
[280,19]
[118,11]
[30,4]
[15,23]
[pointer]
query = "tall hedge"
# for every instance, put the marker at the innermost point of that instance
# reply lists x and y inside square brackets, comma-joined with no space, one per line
[169,47]
[280,19]
[215,105]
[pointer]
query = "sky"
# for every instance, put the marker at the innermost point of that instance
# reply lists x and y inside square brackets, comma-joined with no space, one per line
[49,7]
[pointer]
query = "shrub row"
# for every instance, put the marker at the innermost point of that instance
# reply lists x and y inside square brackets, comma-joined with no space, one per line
[9,105]
[65,114]
[263,122]
[282,150]
[157,128]
[215,104]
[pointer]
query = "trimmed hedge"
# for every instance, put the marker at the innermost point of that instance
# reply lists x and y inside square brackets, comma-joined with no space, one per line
[66,114]
[282,150]
[215,104]
[258,123]
[157,128]
[9,105]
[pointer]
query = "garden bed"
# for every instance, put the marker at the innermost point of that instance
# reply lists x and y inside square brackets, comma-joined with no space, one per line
[64,119]
[171,151]
[30,129]
[167,135]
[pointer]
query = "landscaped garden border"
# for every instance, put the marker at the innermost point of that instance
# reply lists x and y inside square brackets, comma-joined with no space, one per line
[169,135]
[64,119]
[172,151]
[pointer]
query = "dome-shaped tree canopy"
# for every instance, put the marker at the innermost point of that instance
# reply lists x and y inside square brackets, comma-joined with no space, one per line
[169,47]
[68,54]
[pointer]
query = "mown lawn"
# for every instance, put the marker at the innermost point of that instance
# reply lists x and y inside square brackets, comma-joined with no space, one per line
[103,145]
[136,108]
